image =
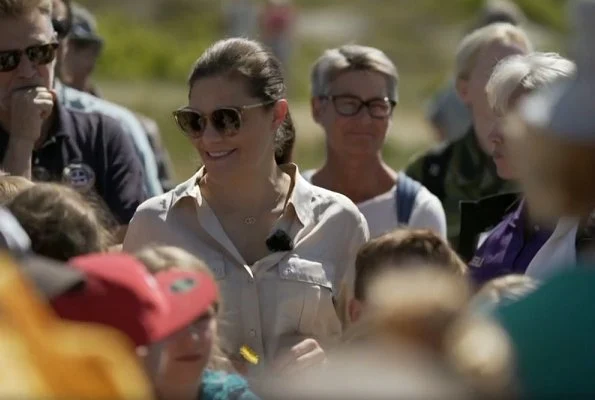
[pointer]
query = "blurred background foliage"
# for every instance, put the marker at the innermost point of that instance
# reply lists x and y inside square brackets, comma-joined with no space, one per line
[151,45]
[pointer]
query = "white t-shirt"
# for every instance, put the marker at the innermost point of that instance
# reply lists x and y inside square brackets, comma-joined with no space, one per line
[381,211]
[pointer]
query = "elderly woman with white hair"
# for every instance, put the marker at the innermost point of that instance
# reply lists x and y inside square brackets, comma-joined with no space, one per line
[518,244]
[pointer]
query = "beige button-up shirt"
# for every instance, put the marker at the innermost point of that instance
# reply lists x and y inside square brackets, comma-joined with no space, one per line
[283,298]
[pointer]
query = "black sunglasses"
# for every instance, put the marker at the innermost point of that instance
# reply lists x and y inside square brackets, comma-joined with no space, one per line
[225,120]
[38,55]
[348,105]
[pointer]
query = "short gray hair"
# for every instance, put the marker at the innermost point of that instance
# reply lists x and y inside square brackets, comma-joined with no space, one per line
[524,72]
[352,58]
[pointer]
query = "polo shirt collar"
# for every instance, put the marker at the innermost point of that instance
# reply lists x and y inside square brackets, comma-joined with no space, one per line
[62,124]
[299,199]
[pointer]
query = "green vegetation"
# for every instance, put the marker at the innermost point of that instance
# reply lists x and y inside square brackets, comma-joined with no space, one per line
[151,45]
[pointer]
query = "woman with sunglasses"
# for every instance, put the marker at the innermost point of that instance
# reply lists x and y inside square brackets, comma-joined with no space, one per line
[282,250]
[354,93]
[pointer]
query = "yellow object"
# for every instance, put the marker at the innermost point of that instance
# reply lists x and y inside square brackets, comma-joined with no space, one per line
[249,355]
[45,357]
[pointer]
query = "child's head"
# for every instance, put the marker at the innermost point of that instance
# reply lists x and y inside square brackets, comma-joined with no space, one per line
[11,186]
[59,221]
[501,291]
[397,250]
[426,309]
[168,316]
[179,360]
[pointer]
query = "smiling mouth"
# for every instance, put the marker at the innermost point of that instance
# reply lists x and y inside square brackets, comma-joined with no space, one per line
[217,155]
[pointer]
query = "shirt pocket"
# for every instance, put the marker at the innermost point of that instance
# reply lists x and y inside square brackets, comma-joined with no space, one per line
[306,300]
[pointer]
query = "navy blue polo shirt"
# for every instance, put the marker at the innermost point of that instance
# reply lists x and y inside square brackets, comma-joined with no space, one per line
[90,152]
[509,248]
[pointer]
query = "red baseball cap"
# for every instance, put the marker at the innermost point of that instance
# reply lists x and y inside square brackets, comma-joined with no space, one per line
[121,293]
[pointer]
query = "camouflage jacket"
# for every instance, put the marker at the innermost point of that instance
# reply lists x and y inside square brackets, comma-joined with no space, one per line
[455,172]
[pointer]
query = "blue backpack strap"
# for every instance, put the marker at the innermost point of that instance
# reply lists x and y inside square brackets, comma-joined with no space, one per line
[407,190]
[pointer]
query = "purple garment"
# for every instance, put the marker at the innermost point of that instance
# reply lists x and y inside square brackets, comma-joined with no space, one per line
[508,249]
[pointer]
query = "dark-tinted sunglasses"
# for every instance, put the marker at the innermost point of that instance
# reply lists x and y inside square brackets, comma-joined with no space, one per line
[38,55]
[225,120]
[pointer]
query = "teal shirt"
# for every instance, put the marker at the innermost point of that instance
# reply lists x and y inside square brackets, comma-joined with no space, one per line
[85,102]
[217,385]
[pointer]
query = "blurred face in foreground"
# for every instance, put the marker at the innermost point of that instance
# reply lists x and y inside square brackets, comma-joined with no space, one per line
[557,176]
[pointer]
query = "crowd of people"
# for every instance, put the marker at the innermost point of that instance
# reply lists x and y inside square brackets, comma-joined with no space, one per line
[467,275]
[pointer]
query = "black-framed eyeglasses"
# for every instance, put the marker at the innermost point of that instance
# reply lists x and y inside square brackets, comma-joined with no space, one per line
[348,105]
[226,120]
[38,55]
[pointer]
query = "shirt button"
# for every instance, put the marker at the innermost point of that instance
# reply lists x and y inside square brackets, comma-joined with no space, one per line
[252,333]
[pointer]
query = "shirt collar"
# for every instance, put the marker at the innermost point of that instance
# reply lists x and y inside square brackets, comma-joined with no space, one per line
[301,194]
[299,199]
[517,215]
[62,124]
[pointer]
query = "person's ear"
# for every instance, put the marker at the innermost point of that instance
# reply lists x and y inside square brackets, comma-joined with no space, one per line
[355,310]
[317,108]
[462,88]
[280,112]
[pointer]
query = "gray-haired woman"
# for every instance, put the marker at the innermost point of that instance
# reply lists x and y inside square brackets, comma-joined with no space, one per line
[354,93]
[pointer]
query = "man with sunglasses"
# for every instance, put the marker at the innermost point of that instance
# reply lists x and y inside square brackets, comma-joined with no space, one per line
[62,19]
[42,140]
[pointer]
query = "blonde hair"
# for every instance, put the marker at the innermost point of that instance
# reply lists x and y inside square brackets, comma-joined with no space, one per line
[476,41]
[479,350]
[18,8]
[11,186]
[508,287]
[352,57]
[527,73]
[162,258]
[501,291]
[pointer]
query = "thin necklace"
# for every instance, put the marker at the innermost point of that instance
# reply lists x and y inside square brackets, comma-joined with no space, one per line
[251,219]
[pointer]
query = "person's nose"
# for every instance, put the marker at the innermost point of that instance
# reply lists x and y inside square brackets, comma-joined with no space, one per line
[210,134]
[364,116]
[495,135]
